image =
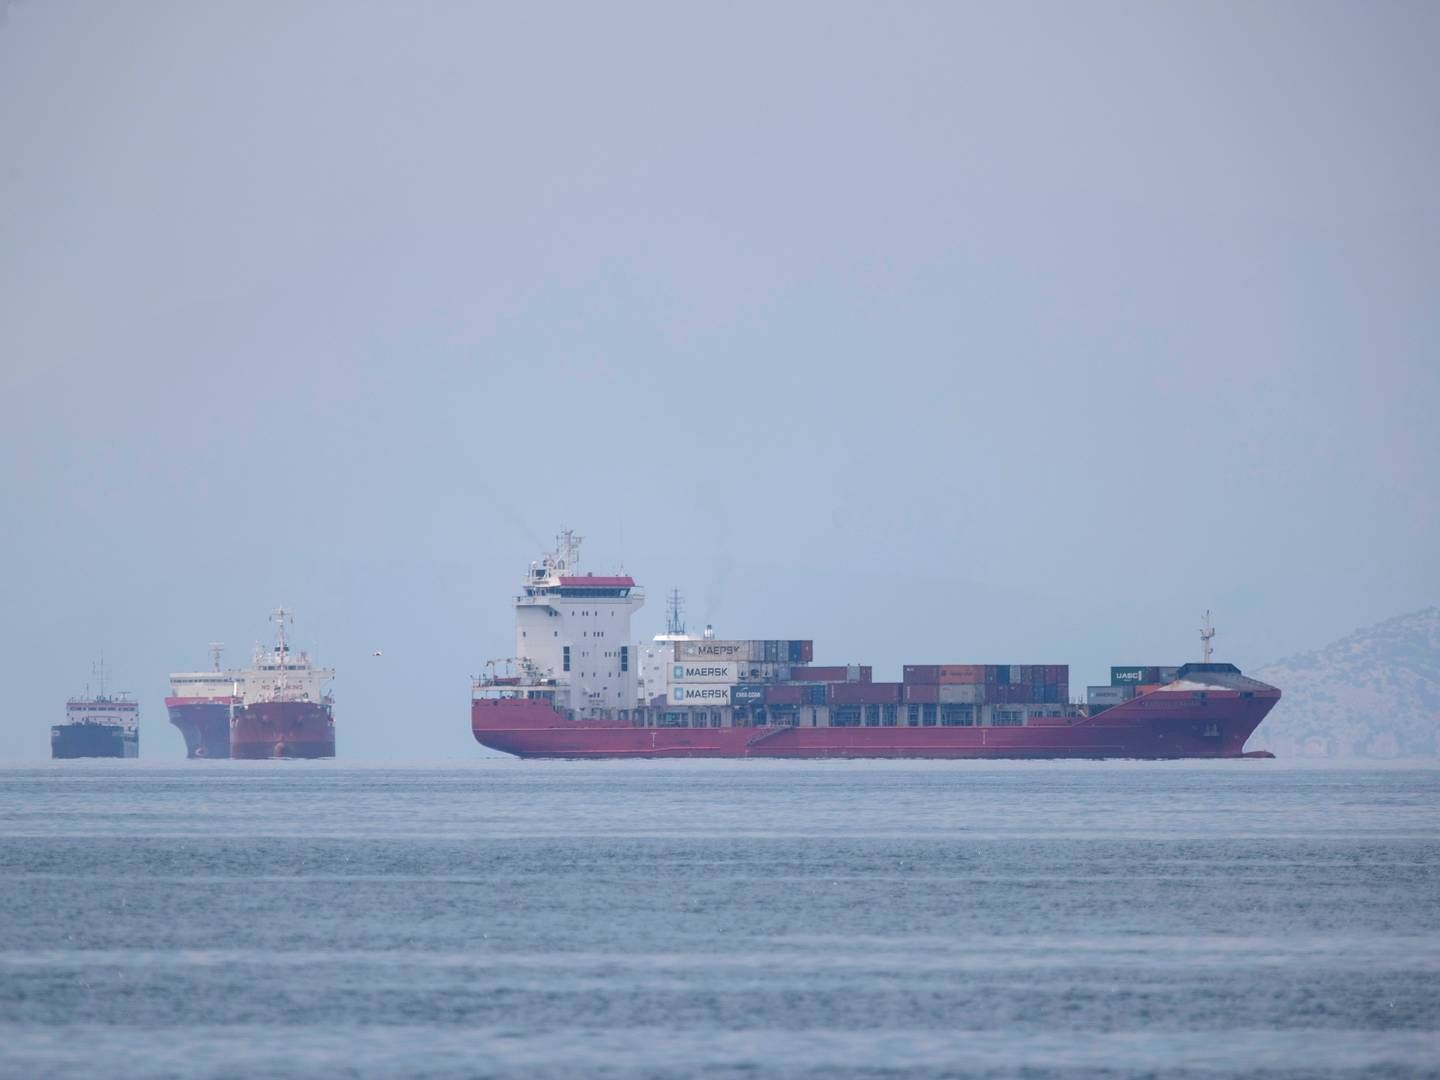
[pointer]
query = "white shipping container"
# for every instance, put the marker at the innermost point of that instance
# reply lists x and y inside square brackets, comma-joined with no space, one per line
[961,693]
[715,649]
[699,694]
[1108,695]
[705,671]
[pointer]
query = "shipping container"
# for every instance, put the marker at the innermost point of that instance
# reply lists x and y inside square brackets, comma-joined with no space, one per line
[968,674]
[786,695]
[1127,676]
[821,674]
[769,651]
[922,674]
[1108,695]
[922,693]
[1001,673]
[748,694]
[699,694]
[1167,674]
[961,693]
[864,693]
[715,649]
[705,671]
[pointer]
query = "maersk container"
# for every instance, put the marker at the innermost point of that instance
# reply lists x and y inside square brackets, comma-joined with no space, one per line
[699,694]
[705,671]
[715,649]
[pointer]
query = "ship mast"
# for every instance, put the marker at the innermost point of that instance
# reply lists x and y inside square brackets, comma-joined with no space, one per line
[674,614]
[1207,633]
[282,647]
[567,551]
[216,648]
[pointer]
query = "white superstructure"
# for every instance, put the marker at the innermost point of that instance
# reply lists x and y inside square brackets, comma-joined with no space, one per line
[119,710]
[572,632]
[282,674]
[207,685]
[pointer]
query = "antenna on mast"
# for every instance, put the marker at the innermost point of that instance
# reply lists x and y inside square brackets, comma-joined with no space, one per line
[674,613]
[567,551]
[216,648]
[1207,632]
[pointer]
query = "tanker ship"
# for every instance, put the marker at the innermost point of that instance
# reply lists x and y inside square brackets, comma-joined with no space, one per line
[201,704]
[572,690]
[101,726]
[286,710]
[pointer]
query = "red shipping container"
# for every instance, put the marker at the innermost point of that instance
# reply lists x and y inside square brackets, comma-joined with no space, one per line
[927,674]
[964,674]
[818,674]
[864,693]
[922,693]
[866,672]
[807,651]
[786,695]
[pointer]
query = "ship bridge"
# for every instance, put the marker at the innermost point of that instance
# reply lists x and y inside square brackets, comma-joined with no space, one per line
[572,630]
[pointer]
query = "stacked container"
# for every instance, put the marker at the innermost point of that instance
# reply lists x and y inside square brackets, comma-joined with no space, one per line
[988,684]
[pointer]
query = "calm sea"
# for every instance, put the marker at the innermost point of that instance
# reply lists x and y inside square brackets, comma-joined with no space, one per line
[720,919]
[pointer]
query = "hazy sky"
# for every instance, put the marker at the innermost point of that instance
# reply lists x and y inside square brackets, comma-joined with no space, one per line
[969,333]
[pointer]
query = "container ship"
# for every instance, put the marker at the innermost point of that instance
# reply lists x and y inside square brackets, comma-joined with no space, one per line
[101,726]
[287,712]
[201,704]
[573,690]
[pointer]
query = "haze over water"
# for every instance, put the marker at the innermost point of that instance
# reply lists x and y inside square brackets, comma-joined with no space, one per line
[819,919]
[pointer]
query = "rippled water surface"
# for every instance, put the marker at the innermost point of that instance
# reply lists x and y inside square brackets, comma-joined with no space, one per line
[828,919]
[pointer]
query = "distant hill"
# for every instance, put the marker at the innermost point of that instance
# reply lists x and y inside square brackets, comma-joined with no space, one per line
[1375,693]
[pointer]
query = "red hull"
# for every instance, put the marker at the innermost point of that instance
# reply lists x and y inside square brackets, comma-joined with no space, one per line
[204,723]
[283,729]
[1158,725]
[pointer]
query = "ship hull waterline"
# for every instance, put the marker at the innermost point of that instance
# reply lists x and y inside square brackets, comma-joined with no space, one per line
[1157,726]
